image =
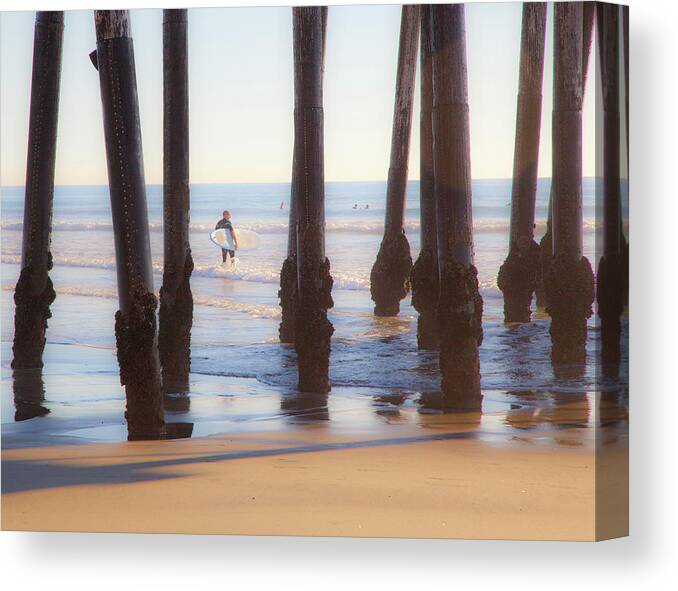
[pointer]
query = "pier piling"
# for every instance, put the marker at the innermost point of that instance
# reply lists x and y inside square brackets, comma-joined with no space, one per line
[460,304]
[546,242]
[34,292]
[569,284]
[625,33]
[610,287]
[288,272]
[389,279]
[176,299]
[519,275]
[313,330]
[424,275]
[135,322]
[625,242]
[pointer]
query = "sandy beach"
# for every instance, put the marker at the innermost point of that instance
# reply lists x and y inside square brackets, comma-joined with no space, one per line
[436,482]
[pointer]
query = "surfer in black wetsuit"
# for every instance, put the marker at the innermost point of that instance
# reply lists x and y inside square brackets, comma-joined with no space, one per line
[225,223]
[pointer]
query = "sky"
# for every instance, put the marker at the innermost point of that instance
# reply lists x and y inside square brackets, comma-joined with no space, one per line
[241,94]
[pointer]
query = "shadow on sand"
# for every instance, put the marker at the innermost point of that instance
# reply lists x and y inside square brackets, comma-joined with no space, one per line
[25,475]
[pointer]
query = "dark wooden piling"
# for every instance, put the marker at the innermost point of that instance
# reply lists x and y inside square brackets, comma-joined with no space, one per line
[34,292]
[588,17]
[610,287]
[625,30]
[176,299]
[460,304]
[389,279]
[569,283]
[519,275]
[424,275]
[625,243]
[288,272]
[314,283]
[135,322]
[546,242]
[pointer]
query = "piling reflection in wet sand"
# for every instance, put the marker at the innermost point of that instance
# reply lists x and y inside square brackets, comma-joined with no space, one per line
[564,418]
[387,406]
[306,407]
[29,394]
[613,407]
[178,430]
[176,396]
[177,401]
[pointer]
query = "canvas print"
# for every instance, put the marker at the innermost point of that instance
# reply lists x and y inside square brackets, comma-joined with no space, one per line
[321,271]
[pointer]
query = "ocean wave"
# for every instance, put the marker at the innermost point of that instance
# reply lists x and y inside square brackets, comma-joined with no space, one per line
[342,280]
[347,227]
[244,272]
[255,310]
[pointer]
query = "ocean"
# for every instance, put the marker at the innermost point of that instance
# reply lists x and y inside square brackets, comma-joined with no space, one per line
[236,356]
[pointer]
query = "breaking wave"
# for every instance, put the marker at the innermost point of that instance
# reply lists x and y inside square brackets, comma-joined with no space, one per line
[255,310]
[347,227]
[349,281]
[244,272]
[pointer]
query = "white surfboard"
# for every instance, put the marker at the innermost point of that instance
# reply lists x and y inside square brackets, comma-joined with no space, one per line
[247,240]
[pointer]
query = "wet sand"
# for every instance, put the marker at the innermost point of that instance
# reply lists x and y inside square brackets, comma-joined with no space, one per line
[439,482]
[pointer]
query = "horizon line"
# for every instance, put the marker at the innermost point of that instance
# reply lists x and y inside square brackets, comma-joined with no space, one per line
[287,182]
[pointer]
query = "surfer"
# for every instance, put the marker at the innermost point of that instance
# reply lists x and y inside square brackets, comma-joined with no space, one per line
[225,223]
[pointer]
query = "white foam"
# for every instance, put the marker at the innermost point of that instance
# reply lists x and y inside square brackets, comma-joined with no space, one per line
[255,310]
[350,227]
[244,271]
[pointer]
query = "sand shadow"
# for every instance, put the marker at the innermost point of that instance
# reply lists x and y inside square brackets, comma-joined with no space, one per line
[26,475]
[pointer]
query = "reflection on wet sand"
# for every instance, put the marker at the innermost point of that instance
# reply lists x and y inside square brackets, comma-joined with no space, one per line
[387,406]
[613,407]
[571,409]
[434,402]
[177,401]
[177,397]
[29,393]
[470,423]
[530,409]
[212,405]
[178,430]
[303,408]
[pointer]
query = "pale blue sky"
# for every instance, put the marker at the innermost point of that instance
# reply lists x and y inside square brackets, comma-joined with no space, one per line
[241,99]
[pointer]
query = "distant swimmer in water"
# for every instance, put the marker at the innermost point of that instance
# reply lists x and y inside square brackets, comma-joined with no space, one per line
[225,223]
[367,206]
[355,206]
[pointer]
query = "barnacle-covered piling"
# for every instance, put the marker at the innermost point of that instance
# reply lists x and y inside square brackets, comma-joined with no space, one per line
[34,292]
[390,276]
[135,321]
